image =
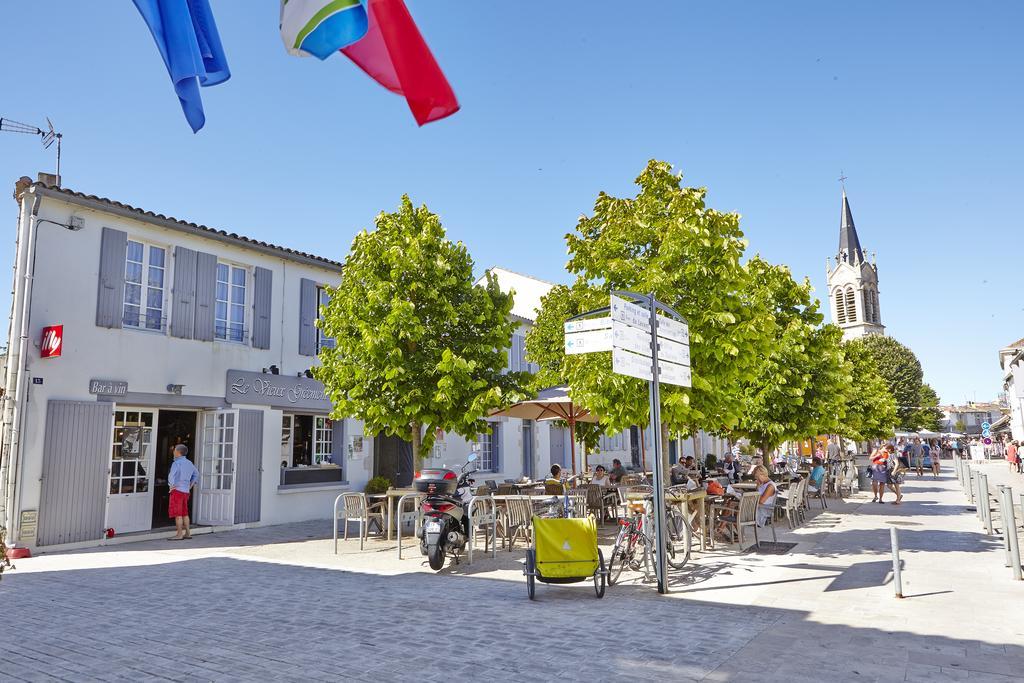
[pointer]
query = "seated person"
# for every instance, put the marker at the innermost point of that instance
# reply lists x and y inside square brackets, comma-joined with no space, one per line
[693,466]
[601,477]
[757,461]
[730,468]
[817,477]
[555,480]
[618,471]
[679,474]
[765,501]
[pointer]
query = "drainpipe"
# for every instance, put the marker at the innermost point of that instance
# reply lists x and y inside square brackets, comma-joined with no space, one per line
[17,367]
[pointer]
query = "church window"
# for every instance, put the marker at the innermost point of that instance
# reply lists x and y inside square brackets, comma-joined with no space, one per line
[869,309]
[851,305]
[840,307]
[874,299]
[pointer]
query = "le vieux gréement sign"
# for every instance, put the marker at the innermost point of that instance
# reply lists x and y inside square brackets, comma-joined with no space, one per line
[278,391]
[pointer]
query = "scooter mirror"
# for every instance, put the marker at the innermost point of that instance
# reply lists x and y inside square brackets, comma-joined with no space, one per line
[471,458]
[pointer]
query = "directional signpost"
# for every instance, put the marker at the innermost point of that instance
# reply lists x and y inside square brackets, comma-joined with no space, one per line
[648,346]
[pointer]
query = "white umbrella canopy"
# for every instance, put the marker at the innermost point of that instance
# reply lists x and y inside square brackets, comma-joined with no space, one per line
[927,434]
[553,403]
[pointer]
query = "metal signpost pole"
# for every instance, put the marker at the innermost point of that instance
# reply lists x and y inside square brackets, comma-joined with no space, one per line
[661,568]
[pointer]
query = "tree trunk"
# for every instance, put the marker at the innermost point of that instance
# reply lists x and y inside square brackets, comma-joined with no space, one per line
[416,438]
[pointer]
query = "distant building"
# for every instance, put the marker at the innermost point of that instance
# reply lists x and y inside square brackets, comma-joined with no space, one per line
[1011,360]
[853,283]
[972,415]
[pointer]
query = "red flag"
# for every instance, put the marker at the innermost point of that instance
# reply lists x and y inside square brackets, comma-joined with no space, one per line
[394,54]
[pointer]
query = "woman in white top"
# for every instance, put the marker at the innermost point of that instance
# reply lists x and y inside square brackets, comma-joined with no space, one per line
[601,477]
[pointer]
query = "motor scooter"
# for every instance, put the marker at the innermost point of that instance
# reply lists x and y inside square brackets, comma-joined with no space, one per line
[445,511]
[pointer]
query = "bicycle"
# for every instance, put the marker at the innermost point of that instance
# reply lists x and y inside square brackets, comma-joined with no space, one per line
[635,544]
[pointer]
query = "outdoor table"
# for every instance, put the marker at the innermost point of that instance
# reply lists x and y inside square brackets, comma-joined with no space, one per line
[745,486]
[391,496]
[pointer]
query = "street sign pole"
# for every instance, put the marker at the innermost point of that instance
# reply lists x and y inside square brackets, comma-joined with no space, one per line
[660,567]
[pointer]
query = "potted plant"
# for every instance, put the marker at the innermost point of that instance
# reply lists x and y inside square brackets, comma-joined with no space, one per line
[378,485]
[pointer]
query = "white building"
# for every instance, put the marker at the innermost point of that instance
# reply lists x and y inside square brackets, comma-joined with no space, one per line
[1011,360]
[970,416]
[853,283]
[170,332]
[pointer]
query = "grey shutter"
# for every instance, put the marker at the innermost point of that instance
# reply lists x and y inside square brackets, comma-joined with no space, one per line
[262,294]
[183,296]
[110,295]
[206,290]
[249,466]
[307,318]
[496,446]
[76,458]
[338,445]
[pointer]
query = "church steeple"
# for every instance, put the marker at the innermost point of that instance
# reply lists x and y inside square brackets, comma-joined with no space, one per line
[849,244]
[853,282]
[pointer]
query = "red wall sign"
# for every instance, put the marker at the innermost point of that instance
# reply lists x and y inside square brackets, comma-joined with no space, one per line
[52,342]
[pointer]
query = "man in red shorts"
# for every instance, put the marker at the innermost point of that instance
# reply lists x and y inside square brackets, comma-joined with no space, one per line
[181,479]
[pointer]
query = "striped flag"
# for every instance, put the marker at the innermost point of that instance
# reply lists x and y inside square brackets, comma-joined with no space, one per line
[395,55]
[321,27]
[381,37]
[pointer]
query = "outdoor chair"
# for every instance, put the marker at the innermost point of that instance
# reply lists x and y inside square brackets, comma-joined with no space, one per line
[819,493]
[517,520]
[506,490]
[578,503]
[801,499]
[631,480]
[352,507]
[491,484]
[786,504]
[598,500]
[624,492]
[553,489]
[746,518]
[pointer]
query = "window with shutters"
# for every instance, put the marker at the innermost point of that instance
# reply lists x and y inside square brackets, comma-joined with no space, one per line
[486,447]
[840,307]
[229,314]
[851,305]
[322,340]
[144,276]
[612,443]
[516,356]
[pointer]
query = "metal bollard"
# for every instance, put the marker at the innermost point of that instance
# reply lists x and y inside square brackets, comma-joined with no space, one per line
[1010,529]
[897,577]
[1001,500]
[987,505]
[971,486]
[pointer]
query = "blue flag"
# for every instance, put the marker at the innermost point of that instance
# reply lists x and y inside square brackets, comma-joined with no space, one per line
[186,35]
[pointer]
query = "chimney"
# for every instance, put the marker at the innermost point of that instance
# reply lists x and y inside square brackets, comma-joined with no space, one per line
[48,179]
[20,186]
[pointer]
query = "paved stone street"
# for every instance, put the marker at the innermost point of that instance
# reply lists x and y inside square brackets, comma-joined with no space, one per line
[276,603]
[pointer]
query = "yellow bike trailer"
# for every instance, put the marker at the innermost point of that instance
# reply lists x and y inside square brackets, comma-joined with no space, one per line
[565,551]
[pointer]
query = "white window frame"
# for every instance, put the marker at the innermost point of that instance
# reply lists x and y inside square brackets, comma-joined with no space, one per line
[322,340]
[323,439]
[144,287]
[142,467]
[222,326]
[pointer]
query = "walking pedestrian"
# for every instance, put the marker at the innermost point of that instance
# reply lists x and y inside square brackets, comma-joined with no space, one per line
[1012,455]
[896,465]
[181,479]
[936,455]
[879,473]
[916,453]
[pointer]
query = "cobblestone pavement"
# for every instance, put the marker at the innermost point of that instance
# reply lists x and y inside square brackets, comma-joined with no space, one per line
[276,604]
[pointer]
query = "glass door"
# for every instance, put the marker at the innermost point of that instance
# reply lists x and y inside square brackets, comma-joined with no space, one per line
[215,504]
[129,494]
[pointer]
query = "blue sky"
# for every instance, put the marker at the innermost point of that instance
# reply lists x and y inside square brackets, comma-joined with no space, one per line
[919,103]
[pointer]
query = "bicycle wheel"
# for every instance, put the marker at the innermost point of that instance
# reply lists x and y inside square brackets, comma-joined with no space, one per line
[680,539]
[622,554]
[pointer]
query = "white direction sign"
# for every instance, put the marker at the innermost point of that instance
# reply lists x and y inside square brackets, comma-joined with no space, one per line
[673,351]
[631,339]
[588,342]
[629,313]
[635,365]
[673,329]
[588,324]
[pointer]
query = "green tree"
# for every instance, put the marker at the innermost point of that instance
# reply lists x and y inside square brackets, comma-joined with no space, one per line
[664,240]
[801,379]
[870,411]
[928,415]
[419,347]
[901,370]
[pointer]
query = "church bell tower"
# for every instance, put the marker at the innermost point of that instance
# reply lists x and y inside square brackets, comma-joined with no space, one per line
[853,283]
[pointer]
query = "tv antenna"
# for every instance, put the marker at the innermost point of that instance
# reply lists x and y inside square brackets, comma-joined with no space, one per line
[46,137]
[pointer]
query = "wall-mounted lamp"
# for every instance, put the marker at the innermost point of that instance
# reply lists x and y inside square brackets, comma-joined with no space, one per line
[309,374]
[274,370]
[175,389]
